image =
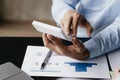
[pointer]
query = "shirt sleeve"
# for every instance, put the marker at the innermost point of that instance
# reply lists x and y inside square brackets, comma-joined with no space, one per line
[105,41]
[60,7]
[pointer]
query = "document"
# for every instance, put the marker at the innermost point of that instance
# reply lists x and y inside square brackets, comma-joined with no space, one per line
[114,58]
[62,66]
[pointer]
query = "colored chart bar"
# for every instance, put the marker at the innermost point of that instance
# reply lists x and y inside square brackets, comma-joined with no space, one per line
[81,67]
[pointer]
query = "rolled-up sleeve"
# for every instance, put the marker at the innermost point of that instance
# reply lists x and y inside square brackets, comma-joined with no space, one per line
[105,41]
[60,7]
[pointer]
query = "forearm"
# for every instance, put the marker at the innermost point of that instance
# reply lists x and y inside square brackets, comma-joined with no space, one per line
[60,7]
[105,41]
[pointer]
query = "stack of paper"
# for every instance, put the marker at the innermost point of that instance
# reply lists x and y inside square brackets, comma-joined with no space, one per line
[61,66]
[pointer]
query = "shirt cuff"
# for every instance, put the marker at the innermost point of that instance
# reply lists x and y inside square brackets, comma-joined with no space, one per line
[93,48]
[58,12]
[61,15]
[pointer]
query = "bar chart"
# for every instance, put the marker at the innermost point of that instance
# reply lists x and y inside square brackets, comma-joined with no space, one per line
[81,67]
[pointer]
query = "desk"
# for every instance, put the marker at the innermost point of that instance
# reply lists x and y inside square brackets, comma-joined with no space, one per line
[12,49]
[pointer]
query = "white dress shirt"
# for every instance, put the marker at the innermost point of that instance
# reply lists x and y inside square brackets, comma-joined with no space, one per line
[104,17]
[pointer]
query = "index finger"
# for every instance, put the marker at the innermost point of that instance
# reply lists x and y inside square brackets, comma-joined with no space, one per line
[66,25]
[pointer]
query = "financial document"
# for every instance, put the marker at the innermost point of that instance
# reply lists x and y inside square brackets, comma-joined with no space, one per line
[62,66]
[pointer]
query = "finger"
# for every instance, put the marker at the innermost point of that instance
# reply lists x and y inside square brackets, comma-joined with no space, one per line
[59,47]
[86,24]
[62,24]
[75,24]
[47,42]
[53,39]
[77,42]
[89,29]
[82,20]
[67,25]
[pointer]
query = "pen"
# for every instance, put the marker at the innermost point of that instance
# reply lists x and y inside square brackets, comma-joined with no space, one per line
[46,59]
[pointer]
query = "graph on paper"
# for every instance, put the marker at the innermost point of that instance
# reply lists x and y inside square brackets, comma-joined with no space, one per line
[62,66]
[81,67]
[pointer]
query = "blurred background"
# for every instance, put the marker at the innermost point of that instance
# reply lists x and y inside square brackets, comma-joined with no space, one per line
[16,17]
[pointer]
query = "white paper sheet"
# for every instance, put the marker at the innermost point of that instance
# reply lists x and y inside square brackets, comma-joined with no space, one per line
[61,66]
[114,59]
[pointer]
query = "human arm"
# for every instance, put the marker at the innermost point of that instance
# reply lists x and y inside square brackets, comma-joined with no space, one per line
[68,18]
[60,7]
[105,41]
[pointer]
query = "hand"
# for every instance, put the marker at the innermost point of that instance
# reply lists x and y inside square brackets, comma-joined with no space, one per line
[71,21]
[116,74]
[76,51]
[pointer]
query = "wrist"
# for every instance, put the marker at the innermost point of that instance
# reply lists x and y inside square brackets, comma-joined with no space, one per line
[85,54]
